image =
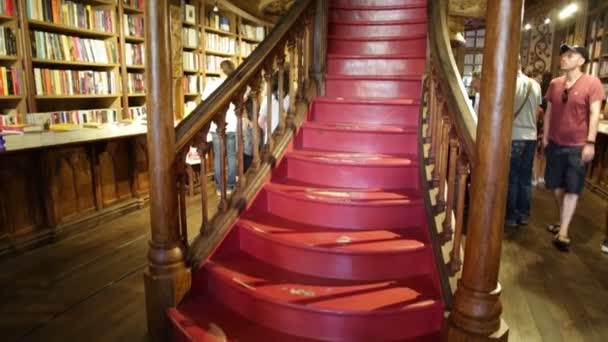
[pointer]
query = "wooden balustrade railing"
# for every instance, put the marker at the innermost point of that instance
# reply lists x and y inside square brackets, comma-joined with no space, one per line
[461,152]
[284,61]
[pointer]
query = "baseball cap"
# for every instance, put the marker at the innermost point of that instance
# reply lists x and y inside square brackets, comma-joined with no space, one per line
[574,48]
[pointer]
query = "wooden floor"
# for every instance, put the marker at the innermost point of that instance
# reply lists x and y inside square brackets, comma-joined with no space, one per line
[90,288]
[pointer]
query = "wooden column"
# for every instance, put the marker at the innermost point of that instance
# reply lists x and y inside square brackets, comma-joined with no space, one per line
[167,278]
[477,309]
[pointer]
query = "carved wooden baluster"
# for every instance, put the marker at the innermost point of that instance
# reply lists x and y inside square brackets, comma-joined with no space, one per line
[301,36]
[239,108]
[281,93]
[307,52]
[291,47]
[203,145]
[443,162]
[463,172]
[268,79]
[220,121]
[433,121]
[256,89]
[438,142]
[446,233]
[181,194]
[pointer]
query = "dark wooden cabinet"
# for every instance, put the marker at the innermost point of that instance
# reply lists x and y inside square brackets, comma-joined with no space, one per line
[50,192]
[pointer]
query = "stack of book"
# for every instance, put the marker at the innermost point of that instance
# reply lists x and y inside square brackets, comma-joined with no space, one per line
[221,44]
[70,13]
[218,22]
[139,4]
[75,117]
[134,25]
[7,7]
[10,81]
[191,84]
[8,41]
[70,48]
[247,48]
[136,83]
[252,32]
[138,113]
[74,82]
[190,61]
[190,38]
[134,54]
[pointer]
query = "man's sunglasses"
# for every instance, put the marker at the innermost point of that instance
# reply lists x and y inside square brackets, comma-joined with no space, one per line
[565,96]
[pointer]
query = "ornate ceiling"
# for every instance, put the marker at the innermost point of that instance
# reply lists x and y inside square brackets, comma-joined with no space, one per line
[263,8]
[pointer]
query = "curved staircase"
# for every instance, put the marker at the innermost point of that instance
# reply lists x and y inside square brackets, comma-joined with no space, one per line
[335,247]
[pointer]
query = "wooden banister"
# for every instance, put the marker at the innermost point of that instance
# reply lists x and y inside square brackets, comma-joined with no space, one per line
[461,148]
[168,277]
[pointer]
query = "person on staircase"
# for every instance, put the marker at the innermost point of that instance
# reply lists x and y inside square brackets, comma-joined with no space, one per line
[275,103]
[523,146]
[571,122]
[227,67]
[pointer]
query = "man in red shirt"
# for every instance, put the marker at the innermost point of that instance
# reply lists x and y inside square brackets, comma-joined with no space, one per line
[571,121]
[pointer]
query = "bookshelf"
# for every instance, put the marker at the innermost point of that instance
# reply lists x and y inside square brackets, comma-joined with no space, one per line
[597,44]
[74,56]
[12,92]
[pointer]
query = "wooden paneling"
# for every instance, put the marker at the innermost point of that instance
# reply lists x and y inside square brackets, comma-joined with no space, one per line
[44,192]
[19,195]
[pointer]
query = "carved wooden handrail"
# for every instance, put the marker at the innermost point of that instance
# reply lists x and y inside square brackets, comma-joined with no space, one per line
[285,55]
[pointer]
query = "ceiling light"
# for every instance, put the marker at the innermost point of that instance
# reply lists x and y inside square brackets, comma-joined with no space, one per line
[527,27]
[215,8]
[547,21]
[568,11]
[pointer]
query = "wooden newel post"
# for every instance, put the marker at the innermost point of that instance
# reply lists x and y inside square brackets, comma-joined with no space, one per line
[477,309]
[167,278]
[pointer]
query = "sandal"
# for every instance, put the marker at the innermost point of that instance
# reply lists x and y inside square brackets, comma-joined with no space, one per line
[553,228]
[562,243]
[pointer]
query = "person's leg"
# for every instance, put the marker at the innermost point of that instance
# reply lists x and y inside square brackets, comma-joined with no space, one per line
[517,148]
[555,178]
[575,181]
[216,159]
[231,159]
[525,181]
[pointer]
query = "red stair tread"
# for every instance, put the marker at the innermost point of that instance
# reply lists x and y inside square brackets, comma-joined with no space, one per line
[379,22]
[341,297]
[366,100]
[372,8]
[360,127]
[353,158]
[335,240]
[353,197]
[203,319]
[376,38]
[375,77]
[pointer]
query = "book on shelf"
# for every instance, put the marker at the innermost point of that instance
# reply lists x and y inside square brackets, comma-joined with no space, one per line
[61,47]
[74,82]
[73,117]
[136,83]
[212,63]
[191,84]
[8,41]
[137,113]
[191,60]
[252,32]
[604,68]
[221,44]
[10,81]
[597,51]
[595,69]
[71,13]
[139,4]
[217,21]
[190,37]
[247,48]
[189,14]
[134,54]
[134,25]
[7,7]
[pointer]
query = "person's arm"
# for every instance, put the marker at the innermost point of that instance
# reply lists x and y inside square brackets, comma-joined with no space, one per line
[594,120]
[546,125]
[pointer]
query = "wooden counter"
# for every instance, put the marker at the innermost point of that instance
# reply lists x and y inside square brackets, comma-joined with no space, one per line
[54,184]
[597,172]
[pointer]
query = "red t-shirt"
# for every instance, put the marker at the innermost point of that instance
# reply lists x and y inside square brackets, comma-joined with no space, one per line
[570,121]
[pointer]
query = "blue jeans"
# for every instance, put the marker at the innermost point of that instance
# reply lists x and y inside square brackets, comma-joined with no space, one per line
[230,159]
[520,181]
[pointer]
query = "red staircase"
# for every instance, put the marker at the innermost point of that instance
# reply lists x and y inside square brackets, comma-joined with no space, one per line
[335,247]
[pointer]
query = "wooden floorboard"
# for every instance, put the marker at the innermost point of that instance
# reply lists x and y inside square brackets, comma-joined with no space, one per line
[90,287]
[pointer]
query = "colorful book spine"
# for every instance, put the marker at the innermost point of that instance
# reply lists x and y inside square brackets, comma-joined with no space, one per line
[53,46]
[70,13]
[74,82]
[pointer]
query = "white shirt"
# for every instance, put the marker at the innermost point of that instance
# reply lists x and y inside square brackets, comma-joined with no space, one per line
[275,112]
[524,125]
[231,119]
